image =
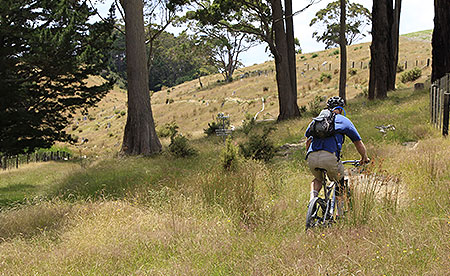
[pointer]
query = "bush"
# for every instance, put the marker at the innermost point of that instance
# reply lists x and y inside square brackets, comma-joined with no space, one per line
[230,155]
[259,147]
[352,71]
[167,130]
[335,52]
[179,146]
[411,75]
[302,109]
[248,123]
[325,77]
[314,55]
[211,130]
[314,105]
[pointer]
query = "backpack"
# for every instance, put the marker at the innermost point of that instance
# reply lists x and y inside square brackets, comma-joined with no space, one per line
[322,126]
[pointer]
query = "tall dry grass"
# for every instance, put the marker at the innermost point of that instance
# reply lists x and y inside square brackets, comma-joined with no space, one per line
[166,216]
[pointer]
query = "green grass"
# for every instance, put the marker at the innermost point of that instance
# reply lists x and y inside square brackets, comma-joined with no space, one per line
[167,216]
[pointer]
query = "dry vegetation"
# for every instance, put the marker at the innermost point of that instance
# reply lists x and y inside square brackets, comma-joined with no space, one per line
[168,216]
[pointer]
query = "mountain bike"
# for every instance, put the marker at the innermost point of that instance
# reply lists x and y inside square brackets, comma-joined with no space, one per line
[322,211]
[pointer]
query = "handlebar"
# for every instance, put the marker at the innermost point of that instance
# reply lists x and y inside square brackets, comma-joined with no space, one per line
[351,162]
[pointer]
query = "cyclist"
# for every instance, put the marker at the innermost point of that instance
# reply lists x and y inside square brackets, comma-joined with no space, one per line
[324,153]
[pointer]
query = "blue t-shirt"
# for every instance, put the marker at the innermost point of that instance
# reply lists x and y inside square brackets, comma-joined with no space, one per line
[343,126]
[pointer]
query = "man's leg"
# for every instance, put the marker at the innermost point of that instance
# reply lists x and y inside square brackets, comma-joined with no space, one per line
[316,185]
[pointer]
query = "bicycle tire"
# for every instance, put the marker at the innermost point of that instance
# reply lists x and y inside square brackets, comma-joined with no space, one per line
[316,211]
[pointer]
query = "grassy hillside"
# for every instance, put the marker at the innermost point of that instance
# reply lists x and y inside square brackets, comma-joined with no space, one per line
[192,106]
[168,216]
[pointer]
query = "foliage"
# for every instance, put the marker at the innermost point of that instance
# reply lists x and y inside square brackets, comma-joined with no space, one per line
[411,75]
[248,123]
[230,155]
[179,146]
[334,53]
[259,147]
[168,130]
[314,55]
[49,49]
[217,124]
[175,59]
[357,18]
[315,105]
[224,45]
[325,77]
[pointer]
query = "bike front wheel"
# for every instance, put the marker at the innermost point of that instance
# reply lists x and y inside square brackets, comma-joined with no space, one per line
[316,212]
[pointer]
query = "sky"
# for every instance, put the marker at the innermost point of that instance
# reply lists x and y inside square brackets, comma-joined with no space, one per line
[416,15]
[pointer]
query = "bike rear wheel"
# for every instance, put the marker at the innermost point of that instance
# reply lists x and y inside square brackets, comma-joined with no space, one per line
[316,212]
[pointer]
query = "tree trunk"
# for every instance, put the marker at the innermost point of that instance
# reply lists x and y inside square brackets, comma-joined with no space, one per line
[140,134]
[441,40]
[343,49]
[380,49]
[395,40]
[287,99]
[291,46]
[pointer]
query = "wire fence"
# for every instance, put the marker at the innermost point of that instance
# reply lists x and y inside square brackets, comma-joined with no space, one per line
[440,103]
[11,162]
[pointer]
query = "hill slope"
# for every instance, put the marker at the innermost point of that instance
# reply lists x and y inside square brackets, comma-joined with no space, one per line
[192,106]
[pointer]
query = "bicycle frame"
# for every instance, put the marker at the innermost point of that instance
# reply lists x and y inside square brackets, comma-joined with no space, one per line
[327,204]
[328,191]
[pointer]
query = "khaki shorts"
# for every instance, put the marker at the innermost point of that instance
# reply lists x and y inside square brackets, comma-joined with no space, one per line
[325,160]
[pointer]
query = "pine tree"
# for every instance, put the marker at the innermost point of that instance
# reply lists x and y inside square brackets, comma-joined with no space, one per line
[48,49]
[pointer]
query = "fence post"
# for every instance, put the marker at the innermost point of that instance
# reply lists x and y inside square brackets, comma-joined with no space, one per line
[406,65]
[446,114]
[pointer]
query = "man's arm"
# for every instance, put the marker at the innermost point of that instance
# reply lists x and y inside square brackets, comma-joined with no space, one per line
[361,148]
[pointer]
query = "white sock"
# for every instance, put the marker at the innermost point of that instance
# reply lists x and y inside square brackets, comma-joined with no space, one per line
[313,194]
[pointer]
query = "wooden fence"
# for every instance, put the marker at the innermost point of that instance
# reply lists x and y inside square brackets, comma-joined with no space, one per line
[9,162]
[440,103]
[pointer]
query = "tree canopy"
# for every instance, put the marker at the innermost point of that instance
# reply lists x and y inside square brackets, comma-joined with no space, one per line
[357,18]
[48,49]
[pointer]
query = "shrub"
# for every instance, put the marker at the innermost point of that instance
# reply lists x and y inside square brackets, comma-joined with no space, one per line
[179,146]
[400,68]
[314,55]
[303,58]
[352,71]
[325,77]
[335,52]
[230,155]
[122,113]
[211,130]
[248,123]
[411,75]
[302,109]
[259,147]
[168,130]
[314,105]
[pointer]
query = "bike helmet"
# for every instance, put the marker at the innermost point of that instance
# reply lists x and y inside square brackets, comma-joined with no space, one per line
[334,102]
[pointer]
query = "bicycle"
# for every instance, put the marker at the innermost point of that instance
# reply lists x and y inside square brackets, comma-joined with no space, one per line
[321,211]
